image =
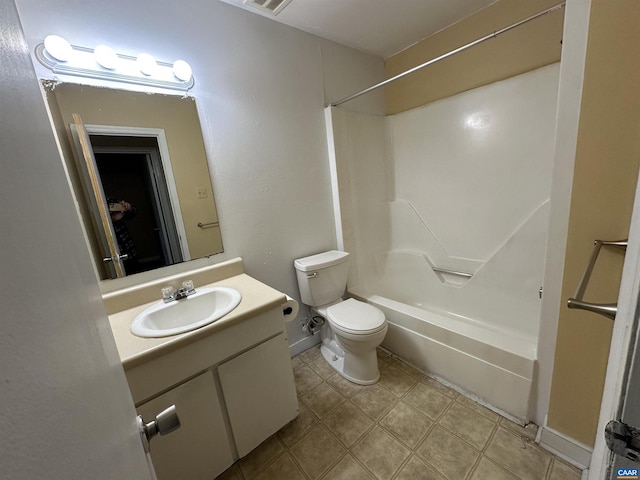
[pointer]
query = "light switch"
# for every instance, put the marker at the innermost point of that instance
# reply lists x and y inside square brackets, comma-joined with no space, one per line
[201,192]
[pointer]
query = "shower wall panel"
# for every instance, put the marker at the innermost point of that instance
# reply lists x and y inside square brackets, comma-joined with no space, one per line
[462,184]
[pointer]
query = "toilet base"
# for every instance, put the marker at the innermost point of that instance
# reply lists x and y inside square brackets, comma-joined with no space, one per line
[335,357]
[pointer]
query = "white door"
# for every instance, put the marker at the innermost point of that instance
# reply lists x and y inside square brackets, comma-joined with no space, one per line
[621,397]
[97,202]
[65,408]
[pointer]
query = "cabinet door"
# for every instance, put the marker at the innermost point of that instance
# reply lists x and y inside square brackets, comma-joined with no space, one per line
[199,449]
[259,392]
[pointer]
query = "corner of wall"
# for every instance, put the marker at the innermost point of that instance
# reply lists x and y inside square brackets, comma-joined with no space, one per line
[567,121]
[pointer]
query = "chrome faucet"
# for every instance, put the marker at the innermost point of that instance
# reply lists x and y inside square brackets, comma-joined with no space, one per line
[169,294]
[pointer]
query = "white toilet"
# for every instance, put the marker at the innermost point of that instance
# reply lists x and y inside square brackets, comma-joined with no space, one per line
[352,329]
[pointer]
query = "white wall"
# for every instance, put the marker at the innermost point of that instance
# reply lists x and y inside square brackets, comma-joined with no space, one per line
[65,407]
[260,89]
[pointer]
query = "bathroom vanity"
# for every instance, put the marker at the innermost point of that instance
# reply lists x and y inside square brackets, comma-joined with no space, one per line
[231,381]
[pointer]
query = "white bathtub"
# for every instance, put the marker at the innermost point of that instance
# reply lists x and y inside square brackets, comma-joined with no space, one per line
[493,364]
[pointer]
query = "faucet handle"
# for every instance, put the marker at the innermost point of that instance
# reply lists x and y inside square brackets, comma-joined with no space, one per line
[167,293]
[188,285]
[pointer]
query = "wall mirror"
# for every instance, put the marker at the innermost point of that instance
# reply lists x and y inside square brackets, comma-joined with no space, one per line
[138,169]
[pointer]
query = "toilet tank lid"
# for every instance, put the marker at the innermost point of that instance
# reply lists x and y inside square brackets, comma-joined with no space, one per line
[320,260]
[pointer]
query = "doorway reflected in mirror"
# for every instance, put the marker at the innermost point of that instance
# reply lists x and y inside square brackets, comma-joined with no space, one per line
[149,153]
[132,175]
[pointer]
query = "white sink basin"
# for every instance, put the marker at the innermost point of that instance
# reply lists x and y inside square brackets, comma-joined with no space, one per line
[205,306]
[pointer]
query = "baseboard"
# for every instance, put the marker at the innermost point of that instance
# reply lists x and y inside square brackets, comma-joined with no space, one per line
[305,344]
[569,449]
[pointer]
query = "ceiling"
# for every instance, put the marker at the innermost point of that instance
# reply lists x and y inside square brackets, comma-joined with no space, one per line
[378,27]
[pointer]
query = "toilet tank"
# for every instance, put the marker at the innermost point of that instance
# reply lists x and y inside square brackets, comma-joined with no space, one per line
[322,278]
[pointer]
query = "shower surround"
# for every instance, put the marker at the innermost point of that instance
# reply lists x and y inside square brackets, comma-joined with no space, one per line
[444,209]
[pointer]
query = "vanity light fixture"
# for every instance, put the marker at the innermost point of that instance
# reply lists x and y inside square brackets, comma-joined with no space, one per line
[182,70]
[103,63]
[105,56]
[147,64]
[58,48]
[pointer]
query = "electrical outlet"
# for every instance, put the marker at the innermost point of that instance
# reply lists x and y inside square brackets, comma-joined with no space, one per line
[201,192]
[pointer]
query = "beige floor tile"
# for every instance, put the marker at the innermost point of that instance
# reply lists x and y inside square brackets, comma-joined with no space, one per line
[385,361]
[348,423]
[232,473]
[317,451]
[380,453]
[344,386]
[563,471]
[297,363]
[468,425]
[291,432]
[322,399]
[523,458]
[475,406]
[440,387]
[310,355]
[305,379]
[395,381]
[321,367]
[403,367]
[335,436]
[487,470]
[416,469]
[428,400]
[374,401]
[283,467]
[347,469]
[529,431]
[260,457]
[448,454]
[381,353]
[407,424]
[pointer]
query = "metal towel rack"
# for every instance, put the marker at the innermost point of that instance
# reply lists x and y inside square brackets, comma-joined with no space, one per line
[208,225]
[606,309]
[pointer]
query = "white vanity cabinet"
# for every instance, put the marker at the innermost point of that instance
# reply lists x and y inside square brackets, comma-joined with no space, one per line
[232,390]
[200,448]
[252,384]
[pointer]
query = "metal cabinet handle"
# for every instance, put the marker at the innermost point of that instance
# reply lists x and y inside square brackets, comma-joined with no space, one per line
[165,422]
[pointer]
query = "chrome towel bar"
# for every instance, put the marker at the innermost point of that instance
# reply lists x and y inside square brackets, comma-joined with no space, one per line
[607,309]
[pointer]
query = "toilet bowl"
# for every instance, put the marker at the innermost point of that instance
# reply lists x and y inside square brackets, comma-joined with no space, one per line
[352,329]
[350,337]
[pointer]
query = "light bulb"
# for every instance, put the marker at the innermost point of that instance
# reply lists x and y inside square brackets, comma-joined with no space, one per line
[106,57]
[146,63]
[182,70]
[58,47]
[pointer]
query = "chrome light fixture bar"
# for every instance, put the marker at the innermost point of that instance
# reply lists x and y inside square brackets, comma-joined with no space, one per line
[103,63]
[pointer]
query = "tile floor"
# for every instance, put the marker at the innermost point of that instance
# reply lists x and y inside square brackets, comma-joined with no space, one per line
[405,427]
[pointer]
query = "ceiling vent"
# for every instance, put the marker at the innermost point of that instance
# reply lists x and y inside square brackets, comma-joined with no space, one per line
[272,7]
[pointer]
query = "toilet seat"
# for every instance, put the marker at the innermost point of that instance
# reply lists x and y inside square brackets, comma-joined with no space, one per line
[355,317]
